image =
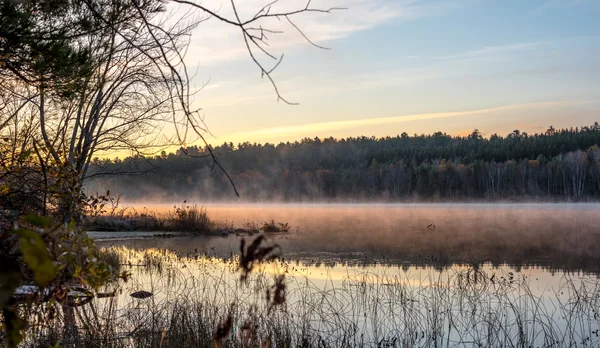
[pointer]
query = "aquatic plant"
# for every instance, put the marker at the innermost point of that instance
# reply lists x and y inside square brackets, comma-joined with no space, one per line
[199,299]
[272,226]
[190,218]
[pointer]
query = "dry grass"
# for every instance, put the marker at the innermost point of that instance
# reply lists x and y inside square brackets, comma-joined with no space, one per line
[275,227]
[184,218]
[187,218]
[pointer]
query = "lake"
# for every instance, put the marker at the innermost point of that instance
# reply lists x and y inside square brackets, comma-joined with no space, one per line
[443,275]
[552,236]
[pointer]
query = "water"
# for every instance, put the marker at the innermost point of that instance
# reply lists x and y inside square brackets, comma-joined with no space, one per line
[554,236]
[394,275]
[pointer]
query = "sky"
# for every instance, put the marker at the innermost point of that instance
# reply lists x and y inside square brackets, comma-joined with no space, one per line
[393,66]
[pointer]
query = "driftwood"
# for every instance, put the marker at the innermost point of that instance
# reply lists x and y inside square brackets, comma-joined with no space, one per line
[77,296]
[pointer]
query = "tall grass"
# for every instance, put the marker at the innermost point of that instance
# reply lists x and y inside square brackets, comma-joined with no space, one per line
[184,218]
[188,218]
[363,307]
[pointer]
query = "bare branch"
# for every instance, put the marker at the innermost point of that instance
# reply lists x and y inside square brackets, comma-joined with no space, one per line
[304,35]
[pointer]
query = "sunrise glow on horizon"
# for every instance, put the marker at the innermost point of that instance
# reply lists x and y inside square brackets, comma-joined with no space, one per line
[399,66]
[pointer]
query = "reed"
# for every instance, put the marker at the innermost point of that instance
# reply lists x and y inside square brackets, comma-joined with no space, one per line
[190,218]
[365,307]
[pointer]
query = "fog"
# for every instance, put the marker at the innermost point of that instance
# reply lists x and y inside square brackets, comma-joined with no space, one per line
[555,236]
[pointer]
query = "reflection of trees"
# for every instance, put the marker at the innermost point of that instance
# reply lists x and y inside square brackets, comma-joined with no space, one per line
[527,244]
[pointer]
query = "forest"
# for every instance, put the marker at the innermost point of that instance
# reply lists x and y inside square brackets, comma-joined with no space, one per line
[556,165]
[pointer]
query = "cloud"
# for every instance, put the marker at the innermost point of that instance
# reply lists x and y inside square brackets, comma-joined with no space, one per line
[321,127]
[214,42]
[494,52]
[300,87]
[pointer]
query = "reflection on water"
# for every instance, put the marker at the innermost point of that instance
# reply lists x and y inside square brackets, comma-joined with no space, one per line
[556,236]
[370,305]
[382,275]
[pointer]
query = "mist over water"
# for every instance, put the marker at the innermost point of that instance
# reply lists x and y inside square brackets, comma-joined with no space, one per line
[553,236]
[443,275]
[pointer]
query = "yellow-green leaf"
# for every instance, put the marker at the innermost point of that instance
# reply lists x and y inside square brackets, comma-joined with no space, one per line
[36,257]
[38,221]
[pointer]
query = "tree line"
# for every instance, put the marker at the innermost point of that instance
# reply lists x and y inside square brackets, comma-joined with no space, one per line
[558,164]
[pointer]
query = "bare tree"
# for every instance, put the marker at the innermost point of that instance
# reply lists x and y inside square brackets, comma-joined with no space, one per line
[255,32]
[127,99]
[83,76]
[130,80]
